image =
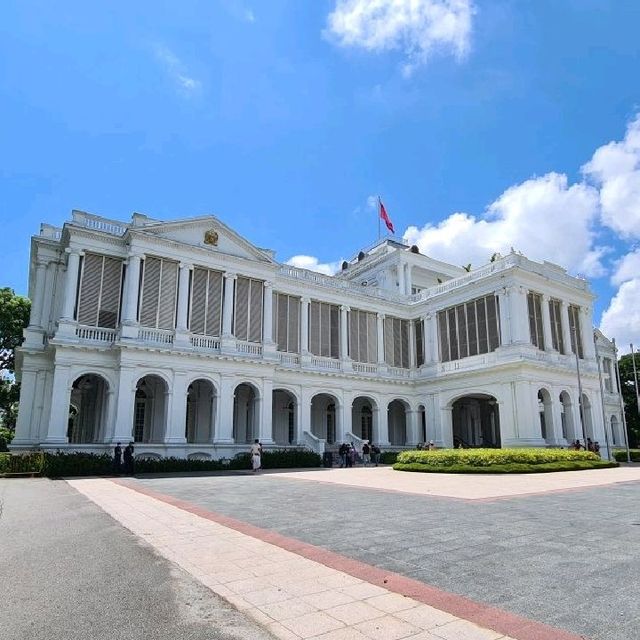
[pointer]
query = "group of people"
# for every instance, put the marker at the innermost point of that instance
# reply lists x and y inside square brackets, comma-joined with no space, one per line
[123,463]
[349,454]
[427,446]
[591,446]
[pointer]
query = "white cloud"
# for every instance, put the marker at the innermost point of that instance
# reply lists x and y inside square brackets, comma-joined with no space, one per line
[175,68]
[627,268]
[313,264]
[615,169]
[414,27]
[536,217]
[622,319]
[249,16]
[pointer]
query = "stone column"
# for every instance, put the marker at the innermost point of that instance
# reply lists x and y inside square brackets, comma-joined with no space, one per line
[304,423]
[266,417]
[519,316]
[446,426]
[381,436]
[67,323]
[131,287]
[556,413]
[304,328]
[267,322]
[586,327]
[412,344]
[566,331]
[176,408]
[408,279]
[412,418]
[546,323]
[59,416]
[227,308]
[224,422]
[26,417]
[401,281]
[341,413]
[380,327]
[183,297]
[344,338]
[38,296]
[125,401]
[504,304]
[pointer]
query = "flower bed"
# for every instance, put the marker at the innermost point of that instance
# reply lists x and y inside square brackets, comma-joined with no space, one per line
[499,461]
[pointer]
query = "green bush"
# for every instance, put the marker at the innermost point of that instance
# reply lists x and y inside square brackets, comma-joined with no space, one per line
[6,436]
[621,455]
[389,457]
[514,467]
[490,457]
[21,463]
[61,464]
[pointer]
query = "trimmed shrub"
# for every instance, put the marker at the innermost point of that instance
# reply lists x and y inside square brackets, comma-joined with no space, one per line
[21,463]
[61,464]
[514,467]
[621,455]
[388,457]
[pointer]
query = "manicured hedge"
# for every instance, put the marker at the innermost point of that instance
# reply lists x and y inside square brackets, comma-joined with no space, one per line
[442,458]
[621,455]
[389,457]
[22,463]
[545,467]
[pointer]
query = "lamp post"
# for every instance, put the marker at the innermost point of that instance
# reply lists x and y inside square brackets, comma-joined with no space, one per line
[604,415]
[624,419]
[580,407]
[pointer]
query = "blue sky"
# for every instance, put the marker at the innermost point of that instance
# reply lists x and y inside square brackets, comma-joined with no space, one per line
[483,125]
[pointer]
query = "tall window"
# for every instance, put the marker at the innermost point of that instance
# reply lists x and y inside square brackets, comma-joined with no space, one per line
[469,329]
[206,302]
[248,310]
[159,291]
[366,424]
[324,329]
[396,342]
[99,292]
[286,322]
[534,303]
[331,423]
[555,312]
[606,365]
[419,338]
[363,336]
[574,330]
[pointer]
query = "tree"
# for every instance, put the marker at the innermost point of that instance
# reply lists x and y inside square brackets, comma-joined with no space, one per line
[14,317]
[629,397]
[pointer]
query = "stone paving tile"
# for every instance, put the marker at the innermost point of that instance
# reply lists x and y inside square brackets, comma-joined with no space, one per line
[425,617]
[386,628]
[312,624]
[462,630]
[354,612]
[391,602]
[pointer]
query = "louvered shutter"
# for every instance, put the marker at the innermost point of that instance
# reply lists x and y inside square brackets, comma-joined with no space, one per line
[492,322]
[443,335]
[168,291]
[472,325]
[199,300]
[110,292]
[372,338]
[334,351]
[255,311]
[214,304]
[314,328]
[388,341]
[281,303]
[354,347]
[419,334]
[241,325]
[294,324]
[150,291]
[362,336]
[90,289]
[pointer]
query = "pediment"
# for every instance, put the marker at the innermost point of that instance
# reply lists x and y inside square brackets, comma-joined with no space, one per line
[206,232]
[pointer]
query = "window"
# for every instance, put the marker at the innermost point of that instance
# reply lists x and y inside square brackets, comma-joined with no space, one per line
[396,342]
[159,291]
[206,302]
[99,291]
[324,329]
[469,329]
[363,336]
[555,312]
[286,322]
[608,383]
[574,330]
[248,310]
[534,304]
[419,342]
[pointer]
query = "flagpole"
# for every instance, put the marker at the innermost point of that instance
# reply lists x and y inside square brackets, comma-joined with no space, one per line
[379,201]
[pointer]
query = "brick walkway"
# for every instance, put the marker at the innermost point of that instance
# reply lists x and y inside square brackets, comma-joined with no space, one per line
[296,589]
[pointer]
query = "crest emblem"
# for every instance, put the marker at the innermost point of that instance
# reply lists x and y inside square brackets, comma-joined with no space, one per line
[211,237]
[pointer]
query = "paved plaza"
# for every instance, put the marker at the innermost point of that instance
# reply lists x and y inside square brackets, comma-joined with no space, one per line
[354,554]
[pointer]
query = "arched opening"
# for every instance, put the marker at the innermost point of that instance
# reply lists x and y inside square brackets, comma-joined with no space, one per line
[201,412]
[323,417]
[422,424]
[614,431]
[476,421]
[566,416]
[283,417]
[397,417]
[587,416]
[362,418]
[88,410]
[545,413]
[246,414]
[150,411]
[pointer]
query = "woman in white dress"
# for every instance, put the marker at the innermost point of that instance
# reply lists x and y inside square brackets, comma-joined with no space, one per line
[256,455]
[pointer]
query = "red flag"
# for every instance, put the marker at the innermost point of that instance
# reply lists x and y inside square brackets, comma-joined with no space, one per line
[385,217]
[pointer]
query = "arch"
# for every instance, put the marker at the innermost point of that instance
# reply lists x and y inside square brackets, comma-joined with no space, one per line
[246,412]
[422,423]
[199,455]
[284,416]
[566,416]
[201,411]
[88,409]
[150,409]
[206,378]
[614,430]
[545,413]
[363,415]
[148,455]
[476,421]
[587,416]
[324,415]
[397,421]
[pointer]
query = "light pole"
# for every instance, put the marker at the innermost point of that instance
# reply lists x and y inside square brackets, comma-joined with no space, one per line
[580,409]
[624,419]
[604,415]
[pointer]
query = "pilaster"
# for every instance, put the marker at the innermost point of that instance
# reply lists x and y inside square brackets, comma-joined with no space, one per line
[59,415]
[546,323]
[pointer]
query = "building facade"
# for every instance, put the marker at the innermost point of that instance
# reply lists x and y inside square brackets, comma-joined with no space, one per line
[185,338]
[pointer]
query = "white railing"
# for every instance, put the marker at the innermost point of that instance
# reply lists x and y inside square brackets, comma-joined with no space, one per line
[398,372]
[364,367]
[205,342]
[355,440]
[96,334]
[250,348]
[160,336]
[325,363]
[313,442]
[90,221]
[290,359]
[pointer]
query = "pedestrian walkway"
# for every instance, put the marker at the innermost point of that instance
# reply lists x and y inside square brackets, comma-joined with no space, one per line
[297,590]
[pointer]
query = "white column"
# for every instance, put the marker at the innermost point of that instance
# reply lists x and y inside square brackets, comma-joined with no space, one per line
[382,432]
[504,304]
[519,316]
[224,422]
[427,350]
[266,417]
[412,344]
[176,408]
[401,281]
[304,326]
[586,326]
[71,284]
[341,413]
[546,324]
[38,295]
[131,286]
[446,426]
[304,424]
[566,332]
[267,322]
[408,280]
[556,413]
[412,418]
[344,338]
[59,416]
[183,297]
[227,308]
[380,328]
[26,414]
[125,401]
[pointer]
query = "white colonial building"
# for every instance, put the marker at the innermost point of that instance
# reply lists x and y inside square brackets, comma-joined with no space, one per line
[189,340]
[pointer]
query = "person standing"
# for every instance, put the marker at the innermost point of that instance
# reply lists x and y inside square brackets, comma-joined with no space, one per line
[366,454]
[128,459]
[256,455]
[343,450]
[117,459]
[375,451]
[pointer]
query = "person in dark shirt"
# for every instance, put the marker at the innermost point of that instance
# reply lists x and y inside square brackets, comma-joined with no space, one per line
[128,459]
